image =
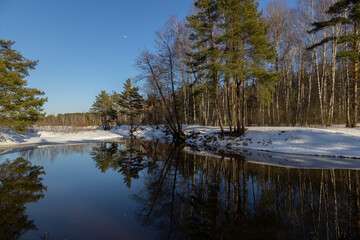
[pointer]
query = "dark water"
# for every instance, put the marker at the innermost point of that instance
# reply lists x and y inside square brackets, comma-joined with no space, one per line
[144,190]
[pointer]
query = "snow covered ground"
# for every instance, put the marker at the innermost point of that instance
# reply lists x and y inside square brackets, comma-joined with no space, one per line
[333,141]
[11,139]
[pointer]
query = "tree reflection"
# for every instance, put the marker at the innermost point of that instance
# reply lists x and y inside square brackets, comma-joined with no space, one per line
[123,158]
[195,197]
[20,183]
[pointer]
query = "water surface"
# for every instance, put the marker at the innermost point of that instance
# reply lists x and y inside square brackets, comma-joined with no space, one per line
[146,190]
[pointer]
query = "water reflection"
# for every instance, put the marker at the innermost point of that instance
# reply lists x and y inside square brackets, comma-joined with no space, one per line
[197,197]
[20,183]
[230,197]
[180,195]
[123,158]
[42,154]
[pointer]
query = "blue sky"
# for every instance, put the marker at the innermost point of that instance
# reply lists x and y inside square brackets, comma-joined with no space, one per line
[81,44]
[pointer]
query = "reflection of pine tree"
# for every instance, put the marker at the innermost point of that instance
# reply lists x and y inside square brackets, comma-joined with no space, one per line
[132,164]
[123,158]
[19,184]
[194,197]
[105,156]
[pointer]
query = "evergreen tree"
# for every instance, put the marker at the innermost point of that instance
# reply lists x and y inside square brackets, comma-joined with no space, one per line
[345,12]
[130,101]
[20,106]
[248,50]
[205,50]
[104,106]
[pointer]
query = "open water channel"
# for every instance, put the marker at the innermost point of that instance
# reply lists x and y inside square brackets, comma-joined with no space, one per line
[146,190]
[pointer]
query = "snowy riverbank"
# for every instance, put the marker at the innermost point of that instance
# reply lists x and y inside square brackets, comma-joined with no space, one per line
[332,141]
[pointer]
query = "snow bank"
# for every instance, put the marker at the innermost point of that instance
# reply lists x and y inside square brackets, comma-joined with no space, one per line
[339,142]
[12,139]
[9,139]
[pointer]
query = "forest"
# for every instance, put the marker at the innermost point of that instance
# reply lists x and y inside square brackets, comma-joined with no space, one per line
[231,64]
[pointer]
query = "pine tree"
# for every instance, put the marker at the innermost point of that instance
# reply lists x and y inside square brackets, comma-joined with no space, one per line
[345,12]
[205,50]
[104,106]
[20,106]
[248,50]
[131,102]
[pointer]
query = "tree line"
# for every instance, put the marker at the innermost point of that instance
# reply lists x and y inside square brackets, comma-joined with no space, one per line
[70,119]
[108,110]
[119,107]
[231,64]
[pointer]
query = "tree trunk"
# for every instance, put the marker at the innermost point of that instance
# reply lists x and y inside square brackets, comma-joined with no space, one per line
[319,89]
[218,110]
[299,107]
[348,118]
[333,72]
[356,77]
[243,110]
[194,99]
[228,102]
[238,105]
[243,117]
[309,97]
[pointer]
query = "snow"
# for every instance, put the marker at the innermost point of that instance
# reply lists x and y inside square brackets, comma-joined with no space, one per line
[332,141]
[11,139]
[341,142]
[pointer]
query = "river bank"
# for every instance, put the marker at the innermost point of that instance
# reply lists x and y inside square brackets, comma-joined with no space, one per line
[332,141]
